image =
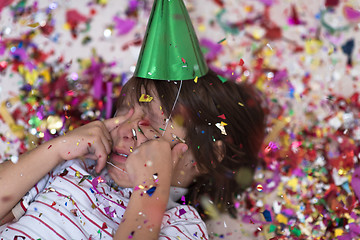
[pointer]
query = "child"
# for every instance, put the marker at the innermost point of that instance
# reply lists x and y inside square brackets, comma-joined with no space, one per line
[170,141]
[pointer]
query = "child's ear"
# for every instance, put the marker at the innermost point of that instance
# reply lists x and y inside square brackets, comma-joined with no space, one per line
[219,150]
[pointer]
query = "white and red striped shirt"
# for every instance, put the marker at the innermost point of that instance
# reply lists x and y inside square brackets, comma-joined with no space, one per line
[71,203]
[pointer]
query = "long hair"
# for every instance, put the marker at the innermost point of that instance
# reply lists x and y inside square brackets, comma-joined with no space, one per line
[214,111]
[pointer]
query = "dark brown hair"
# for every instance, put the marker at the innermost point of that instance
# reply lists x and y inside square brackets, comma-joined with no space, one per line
[203,104]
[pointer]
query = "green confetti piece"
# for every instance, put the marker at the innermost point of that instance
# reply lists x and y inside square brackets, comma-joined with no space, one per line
[272,228]
[296,232]
[34,121]
[222,40]
[222,78]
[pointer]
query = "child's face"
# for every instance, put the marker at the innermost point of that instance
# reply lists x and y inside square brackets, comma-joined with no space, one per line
[148,123]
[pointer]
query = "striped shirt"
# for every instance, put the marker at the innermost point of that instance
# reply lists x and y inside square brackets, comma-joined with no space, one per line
[72,203]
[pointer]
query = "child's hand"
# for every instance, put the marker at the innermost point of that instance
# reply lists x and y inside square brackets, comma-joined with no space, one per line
[92,141]
[153,157]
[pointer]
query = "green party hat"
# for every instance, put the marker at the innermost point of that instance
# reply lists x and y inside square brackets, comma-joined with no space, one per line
[170,50]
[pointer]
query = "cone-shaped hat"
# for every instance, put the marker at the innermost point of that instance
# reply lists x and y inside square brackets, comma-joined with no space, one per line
[170,50]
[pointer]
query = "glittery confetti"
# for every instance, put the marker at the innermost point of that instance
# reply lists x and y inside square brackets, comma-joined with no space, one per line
[145,98]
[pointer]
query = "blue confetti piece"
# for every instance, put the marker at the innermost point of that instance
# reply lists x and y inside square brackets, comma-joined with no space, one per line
[151,191]
[267,215]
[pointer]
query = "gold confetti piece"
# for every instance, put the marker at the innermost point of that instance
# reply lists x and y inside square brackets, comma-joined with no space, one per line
[54,122]
[209,207]
[240,104]
[33,25]
[145,98]
[77,174]
[17,130]
[196,79]
[275,131]
[223,123]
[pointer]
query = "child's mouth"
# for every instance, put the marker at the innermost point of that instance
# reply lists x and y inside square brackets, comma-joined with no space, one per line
[121,154]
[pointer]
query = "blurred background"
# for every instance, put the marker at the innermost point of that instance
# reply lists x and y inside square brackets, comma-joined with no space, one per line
[62,64]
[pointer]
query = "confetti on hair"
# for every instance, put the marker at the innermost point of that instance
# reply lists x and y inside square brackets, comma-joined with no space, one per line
[145,98]
[221,126]
[222,78]
[222,116]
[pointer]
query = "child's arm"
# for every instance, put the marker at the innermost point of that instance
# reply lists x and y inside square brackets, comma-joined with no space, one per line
[91,140]
[149,166]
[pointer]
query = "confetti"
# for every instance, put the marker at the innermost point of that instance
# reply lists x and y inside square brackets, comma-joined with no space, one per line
[267,215]
[145,98]
[151,191]
[316,142]
[222,116]
[259,188]
[182,211]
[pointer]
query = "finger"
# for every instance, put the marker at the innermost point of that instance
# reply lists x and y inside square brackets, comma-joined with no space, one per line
[100,153]
[107,144]
[114,122]
[106,133]
[177,152]
[149,133]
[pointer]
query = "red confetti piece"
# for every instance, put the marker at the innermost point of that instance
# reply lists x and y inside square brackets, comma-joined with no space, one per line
[241,63]
[3,65]
[49,146]
[104,226]
[332,3]
[219,2]
[183,60]
[222,116]
[89,144]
